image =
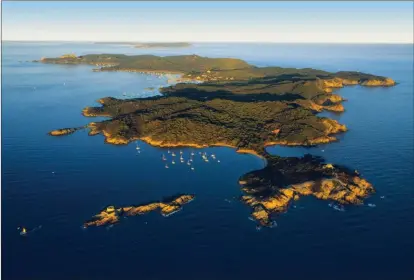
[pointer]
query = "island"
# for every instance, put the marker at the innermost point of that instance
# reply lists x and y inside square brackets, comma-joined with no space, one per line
[111,215]
[149,45]
[227,102]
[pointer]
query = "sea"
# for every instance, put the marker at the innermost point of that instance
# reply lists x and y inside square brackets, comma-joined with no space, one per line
[52,185]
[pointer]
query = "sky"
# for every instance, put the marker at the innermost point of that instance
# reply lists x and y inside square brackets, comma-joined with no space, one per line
[157,21]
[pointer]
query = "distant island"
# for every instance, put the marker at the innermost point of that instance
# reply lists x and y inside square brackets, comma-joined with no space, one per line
[149,45]
[241,106]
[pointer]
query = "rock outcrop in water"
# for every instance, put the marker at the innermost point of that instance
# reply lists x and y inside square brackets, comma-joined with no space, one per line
[111,214]
[270,190]
[64,131]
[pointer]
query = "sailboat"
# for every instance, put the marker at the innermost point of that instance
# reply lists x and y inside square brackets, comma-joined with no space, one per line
[163,157]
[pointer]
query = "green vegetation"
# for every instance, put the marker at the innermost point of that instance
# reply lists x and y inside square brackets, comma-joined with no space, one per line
[282,172]
[237,104]
[241,106]
[144,63]
[245,125]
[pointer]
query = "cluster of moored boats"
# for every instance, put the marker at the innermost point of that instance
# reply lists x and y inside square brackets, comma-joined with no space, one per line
[189,160]
[172,158]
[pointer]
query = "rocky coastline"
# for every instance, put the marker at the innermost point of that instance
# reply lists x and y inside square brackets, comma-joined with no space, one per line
[239,106]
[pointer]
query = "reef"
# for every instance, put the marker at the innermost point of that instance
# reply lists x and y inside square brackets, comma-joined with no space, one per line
[112,215]
[270,190]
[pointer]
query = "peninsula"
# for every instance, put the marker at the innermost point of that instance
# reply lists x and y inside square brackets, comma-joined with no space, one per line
[270,190]
[241,106]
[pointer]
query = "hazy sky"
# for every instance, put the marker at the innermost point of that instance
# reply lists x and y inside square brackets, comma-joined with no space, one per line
[371,22]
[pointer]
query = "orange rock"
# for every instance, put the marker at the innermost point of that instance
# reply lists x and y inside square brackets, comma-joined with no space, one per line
[111,215]
[377,82]
[64,131]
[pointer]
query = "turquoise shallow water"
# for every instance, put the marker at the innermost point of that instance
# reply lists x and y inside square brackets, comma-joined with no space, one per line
[211,238]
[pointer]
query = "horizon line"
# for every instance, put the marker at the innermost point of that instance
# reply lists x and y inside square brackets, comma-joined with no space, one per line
[198,42]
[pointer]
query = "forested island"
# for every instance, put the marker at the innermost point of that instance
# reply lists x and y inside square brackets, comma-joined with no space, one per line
[241,106]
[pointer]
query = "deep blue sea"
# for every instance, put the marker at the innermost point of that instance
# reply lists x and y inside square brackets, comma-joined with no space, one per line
[59,182]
